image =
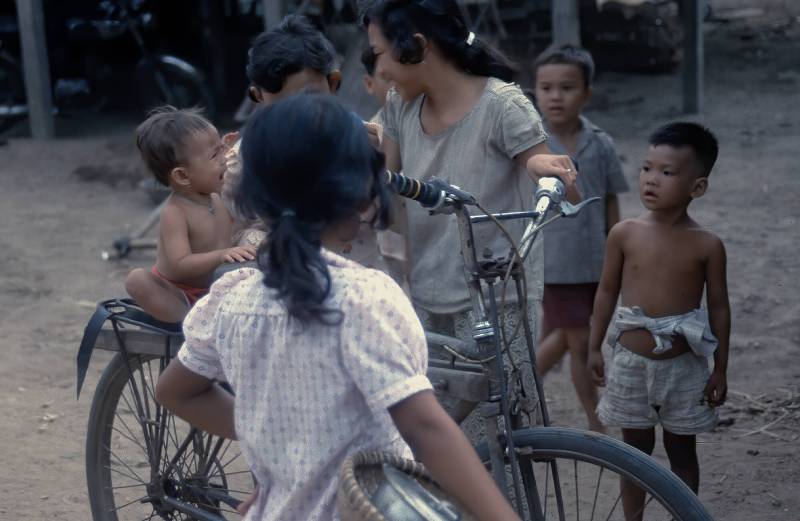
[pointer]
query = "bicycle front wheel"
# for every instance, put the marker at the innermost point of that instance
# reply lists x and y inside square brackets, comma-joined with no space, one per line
[569,474]
[144,463]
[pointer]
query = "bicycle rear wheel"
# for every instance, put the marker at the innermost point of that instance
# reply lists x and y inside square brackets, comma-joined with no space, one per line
[586,485]
[144,463]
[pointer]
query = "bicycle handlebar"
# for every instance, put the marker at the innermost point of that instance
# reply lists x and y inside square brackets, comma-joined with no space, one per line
[436,194]
[433,194]
[441,197]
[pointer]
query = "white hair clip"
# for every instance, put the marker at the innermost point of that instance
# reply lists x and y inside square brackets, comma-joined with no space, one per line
[470,38]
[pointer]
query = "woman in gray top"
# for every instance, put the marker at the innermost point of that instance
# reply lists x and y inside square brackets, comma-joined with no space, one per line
[452,114]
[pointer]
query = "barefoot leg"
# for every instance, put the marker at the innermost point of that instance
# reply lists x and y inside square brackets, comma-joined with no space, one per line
[157,297]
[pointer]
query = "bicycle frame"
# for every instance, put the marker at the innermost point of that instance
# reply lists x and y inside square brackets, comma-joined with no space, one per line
[485,334]
[482,379]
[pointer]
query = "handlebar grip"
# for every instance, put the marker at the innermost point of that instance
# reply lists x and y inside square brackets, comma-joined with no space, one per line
[550,191]
[427,194]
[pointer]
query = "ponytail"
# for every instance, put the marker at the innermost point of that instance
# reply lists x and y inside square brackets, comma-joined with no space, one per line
[292,264]
[307,164]
[442,22]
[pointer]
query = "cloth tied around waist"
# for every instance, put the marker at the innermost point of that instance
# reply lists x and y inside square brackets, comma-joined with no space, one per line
[693,326]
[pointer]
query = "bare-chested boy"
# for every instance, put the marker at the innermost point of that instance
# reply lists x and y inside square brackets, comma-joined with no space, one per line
[661,262]
[183,151]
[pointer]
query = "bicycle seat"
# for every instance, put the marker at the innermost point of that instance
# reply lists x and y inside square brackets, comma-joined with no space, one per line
[126,310]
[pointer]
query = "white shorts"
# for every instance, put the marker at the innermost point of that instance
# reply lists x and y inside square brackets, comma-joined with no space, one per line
[641,392]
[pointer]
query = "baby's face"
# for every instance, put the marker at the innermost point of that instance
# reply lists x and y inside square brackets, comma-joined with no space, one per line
[204,156]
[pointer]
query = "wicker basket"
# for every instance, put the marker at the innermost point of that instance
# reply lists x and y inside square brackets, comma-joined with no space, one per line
[362,474]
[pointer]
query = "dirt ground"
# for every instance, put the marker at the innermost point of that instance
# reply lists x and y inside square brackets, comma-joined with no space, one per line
[64,201]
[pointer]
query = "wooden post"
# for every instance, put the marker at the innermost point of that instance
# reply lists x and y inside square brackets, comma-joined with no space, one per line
[36,68]
[274,11]
[693,62]
[566,22]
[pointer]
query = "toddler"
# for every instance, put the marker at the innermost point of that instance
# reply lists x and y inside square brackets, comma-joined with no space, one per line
[183,151]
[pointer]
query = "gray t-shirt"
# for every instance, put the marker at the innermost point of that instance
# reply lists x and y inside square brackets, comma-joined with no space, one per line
[574,248]
[477,154]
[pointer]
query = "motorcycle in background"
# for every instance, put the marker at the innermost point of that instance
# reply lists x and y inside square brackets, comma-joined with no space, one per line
[160,78]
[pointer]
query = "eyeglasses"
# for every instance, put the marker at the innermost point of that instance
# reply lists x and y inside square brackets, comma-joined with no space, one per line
[334,80]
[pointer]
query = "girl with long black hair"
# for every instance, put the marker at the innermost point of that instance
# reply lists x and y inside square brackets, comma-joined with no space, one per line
[326,357]
[454,114]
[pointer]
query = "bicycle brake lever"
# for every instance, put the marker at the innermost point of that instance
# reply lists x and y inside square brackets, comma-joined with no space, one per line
[571,210]
[453,191]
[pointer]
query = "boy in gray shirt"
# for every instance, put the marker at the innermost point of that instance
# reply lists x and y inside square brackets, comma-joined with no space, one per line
[573,257]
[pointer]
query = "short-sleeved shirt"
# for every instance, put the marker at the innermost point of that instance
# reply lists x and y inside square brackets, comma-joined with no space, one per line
[308,396]
[574,248]
[477,154]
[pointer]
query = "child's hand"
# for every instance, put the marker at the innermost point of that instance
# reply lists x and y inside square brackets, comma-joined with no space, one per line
[230,139]
[716,389]
[239,254]
[245,505]
[596,367]
[375,133]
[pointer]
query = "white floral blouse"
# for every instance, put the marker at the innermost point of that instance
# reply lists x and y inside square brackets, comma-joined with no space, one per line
[308,396]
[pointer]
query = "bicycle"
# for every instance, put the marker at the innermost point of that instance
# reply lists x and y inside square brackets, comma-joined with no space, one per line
[532,455]
[541,468]
[189,474]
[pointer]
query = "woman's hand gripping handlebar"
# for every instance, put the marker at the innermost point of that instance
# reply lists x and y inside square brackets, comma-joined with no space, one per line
[438,195]
[441,197]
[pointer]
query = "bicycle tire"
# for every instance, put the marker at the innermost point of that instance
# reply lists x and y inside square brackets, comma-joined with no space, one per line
[122,481]
[546,446]
[164,83]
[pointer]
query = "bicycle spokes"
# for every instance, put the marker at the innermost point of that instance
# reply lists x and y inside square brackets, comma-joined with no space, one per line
[586,492]
[159,467]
